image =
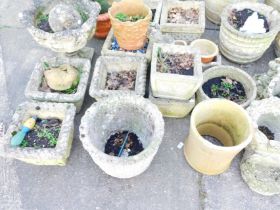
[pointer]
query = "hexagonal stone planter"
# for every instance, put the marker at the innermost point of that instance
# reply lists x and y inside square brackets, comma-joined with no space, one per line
[108,64]
[260,165]
[233,73]
[188,31]
[117,113]
[42,156]
[33,92]
[175,86]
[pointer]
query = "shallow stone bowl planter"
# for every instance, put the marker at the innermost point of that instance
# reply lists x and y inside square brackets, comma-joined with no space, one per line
[175,86]
[260,165]
[32,90]
[227,122]
[122,112]
[233,73]
[243,48]
[66,41]
[106,64]
[42,156]
[188,32]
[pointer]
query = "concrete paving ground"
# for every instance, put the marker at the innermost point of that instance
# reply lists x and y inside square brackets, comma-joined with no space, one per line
[169,183]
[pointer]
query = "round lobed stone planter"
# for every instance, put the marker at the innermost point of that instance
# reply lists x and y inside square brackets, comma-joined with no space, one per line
[42,156]
[107,65]
[122,112]
[260,165]
[66,41]
[241,47]
[233,73]
[223,120]
[33,91]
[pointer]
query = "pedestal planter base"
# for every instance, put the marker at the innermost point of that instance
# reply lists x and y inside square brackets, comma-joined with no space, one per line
[118,113]
[43,156]
[260,165]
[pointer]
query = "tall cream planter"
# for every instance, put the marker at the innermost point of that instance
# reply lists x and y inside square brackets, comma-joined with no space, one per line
[223,120]
[243,48]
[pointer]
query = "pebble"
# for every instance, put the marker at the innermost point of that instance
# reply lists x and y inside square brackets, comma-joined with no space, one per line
[115,46]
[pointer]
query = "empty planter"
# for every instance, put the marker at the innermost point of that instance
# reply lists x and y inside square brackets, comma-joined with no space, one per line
[227,124]
[118,113]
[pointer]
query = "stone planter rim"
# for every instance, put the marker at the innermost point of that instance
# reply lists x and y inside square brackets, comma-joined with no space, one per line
[273,84]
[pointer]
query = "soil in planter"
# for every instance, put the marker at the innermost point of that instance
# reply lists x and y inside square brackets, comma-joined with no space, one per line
[122,80]
[44,134]
[42,22]
[175,63]
[224,87]
[183,16]
[115,47]
[125,18]
[132,147]
[213,140]
[238,18]
[267,132]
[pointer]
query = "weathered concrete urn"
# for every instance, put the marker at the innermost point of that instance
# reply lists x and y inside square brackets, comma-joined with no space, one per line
[122,112]
[243,47]
[233,73]
[260,165]
[70,31]
[42,156]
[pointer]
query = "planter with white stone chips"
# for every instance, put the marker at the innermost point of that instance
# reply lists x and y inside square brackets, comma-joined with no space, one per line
[42,156]
[118,113]
[245,47]
[34,92]
[260,165]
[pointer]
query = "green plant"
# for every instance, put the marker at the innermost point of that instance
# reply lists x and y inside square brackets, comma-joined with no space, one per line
[46,65]
[40,17]
[161,58]
[123,17]
[44,133]
[24,143]
[83,14]
[74,87]
[214,89]
[104,6]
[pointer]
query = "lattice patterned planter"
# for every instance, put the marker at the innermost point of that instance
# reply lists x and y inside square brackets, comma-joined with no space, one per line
[32,90]
[43,156]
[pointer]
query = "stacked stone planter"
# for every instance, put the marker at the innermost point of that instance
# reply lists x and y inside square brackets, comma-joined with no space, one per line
[122,112]
[260,165]
[187,32]
[43,156]
[243,48]
[32,91]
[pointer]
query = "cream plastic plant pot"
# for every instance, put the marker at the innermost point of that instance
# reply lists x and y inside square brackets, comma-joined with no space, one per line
[43,156]
[175,86]
[223,120]
[119,113]
[243,48]
[233,73]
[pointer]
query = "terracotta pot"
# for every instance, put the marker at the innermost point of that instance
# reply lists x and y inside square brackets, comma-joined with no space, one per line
[224,120]
[103,26]
[130,35]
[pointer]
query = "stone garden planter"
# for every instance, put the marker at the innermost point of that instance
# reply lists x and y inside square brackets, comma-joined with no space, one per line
[277,45]
[260,165]
[232,73]
[33,91]
[274,3]
[223,120]
[241,47]
[109,64]
[122,112]
[175,86]
[67,41]
[181,31]
[42,156]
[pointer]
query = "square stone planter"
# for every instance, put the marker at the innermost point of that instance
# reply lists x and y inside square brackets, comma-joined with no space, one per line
[175,86]
[42,156]
[32,90]
[188,32]
[106,64]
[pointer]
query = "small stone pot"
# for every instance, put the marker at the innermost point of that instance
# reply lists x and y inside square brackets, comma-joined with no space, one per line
[103,26]
[233,73]
[118,113]
[227,122]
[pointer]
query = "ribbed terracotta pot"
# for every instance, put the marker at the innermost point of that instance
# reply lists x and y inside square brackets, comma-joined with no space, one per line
[103,26]
[224,120]
[130,35]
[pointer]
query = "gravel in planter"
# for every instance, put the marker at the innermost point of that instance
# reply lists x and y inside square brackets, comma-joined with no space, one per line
[179,19]
[122,113]
[114,75]
[35,155]
[34,91]
[260,165]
